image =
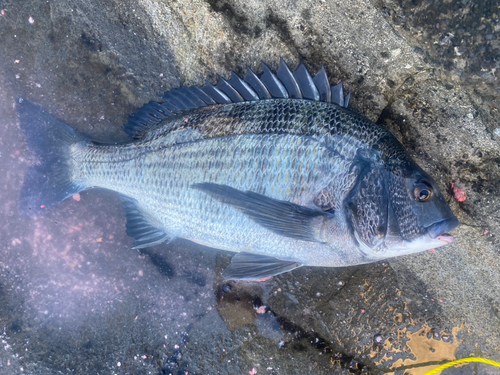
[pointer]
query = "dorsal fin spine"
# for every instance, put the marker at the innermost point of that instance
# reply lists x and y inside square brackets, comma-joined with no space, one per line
[286,76]
[216,94]
[274,85]
[229,90]
[257,85]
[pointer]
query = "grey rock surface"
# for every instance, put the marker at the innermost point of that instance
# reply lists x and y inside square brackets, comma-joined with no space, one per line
[74,296]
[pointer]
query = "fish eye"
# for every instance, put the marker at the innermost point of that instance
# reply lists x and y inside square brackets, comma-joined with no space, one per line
[422,192]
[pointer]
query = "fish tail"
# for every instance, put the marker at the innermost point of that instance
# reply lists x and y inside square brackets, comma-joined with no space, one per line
[49,180]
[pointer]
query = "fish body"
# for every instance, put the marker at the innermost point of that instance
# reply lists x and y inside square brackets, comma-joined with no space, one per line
[285,176]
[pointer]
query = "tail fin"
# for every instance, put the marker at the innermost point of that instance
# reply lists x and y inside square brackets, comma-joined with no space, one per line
[48,182]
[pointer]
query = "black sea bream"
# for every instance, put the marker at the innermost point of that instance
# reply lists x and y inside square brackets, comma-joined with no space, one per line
[274,168]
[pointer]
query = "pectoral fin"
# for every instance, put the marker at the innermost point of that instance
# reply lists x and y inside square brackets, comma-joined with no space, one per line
[246,266]
[141,228]
[281,217]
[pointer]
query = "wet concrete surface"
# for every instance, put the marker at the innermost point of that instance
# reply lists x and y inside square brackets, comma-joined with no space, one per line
[74,296]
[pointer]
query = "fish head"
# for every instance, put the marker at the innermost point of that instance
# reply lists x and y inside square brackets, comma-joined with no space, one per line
[421,215]
[396,208]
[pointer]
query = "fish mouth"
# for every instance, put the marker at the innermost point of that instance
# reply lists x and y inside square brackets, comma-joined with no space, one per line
[446,238]
[439,230]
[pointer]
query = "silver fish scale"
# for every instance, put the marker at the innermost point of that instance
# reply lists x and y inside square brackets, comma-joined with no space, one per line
[286,167]
[348,131]
[294,150]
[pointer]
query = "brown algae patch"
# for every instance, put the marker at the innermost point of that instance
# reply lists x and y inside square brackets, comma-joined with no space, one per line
[425,348]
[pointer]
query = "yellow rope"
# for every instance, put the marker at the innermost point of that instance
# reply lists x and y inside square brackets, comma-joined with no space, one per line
[463,360]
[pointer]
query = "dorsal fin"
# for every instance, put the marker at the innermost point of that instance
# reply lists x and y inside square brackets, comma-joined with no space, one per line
[282,84]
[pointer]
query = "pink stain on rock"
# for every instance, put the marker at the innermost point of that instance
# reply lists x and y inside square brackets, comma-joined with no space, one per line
[261,309]
[458,193]
[253,371]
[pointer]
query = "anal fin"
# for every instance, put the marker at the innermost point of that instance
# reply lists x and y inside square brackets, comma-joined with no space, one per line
[246,266]
[141,228]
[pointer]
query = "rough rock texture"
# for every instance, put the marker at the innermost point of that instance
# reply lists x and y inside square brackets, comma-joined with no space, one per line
[74,297]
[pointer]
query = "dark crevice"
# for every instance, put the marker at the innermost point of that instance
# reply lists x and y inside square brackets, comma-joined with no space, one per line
[302,339]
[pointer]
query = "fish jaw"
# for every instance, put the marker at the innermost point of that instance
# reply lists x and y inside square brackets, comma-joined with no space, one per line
[446,238]
[426,242]
[404,247]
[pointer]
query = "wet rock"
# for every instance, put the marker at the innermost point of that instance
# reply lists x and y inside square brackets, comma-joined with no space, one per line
[425,70]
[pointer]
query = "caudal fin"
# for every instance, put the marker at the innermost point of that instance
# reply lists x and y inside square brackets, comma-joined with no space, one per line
[48,182]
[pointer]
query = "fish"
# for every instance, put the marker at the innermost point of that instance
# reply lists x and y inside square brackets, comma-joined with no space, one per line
[274,167]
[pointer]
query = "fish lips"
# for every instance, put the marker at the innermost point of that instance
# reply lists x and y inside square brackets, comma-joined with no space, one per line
[439,229]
